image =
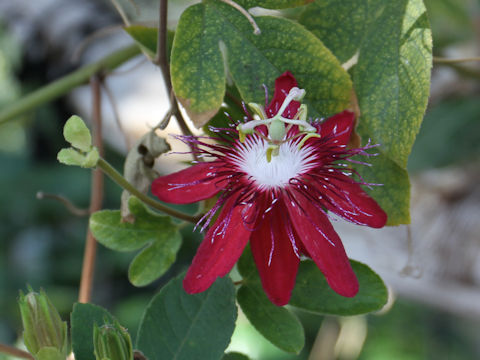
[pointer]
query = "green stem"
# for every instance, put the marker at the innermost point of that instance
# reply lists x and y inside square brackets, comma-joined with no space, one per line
[66,83]
[120,180]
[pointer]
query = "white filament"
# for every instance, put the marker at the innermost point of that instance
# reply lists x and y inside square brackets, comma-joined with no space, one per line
[289,163]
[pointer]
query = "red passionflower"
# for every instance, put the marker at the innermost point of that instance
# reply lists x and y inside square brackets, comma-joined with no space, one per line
[277,202]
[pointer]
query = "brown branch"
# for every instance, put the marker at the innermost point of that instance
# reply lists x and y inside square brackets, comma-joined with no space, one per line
[161,60]
[96,195]
[441,60]
[10,350]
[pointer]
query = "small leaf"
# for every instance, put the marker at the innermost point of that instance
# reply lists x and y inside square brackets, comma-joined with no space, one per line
[312,292]
[272,4]
[180,326]
[222,34]
[74,157]
[235,356]
[70,156]
[83,317]
[157,232]
[77,134]
[277,324]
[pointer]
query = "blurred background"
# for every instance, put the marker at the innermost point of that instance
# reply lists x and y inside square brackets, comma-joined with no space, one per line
[431,267]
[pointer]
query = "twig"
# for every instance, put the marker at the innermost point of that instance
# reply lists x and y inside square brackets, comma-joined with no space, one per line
[256,29]
[96,196]
[65,84]
[441,60]
[121,12]
[66,202]
[84,44]
[10,350]
[463,71]
[120,180]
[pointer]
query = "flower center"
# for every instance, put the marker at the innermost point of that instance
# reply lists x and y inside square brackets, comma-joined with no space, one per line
[276,173]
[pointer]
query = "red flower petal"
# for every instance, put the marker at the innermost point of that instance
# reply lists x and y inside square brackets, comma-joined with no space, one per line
[283,84]
[324,246]
[189,185]
[220,249]
[273,253]
[339,127]
[348,200]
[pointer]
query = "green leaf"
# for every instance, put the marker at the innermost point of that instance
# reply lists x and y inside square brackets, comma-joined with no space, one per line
[74,157]
[180,326]
[393,195]
[272,4]
[83,317]
[312,292]
[211,29]
[70,156]
[77,134]
[392,77]
[340,24]
[277,324]
[391,80]
[235,356]
[157,233]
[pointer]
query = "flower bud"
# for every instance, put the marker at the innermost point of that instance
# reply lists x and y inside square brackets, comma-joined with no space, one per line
[44,331]
[112,342]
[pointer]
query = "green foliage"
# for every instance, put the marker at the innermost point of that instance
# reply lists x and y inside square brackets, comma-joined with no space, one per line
[156,234]
[83,319]
[339,24]
[180,326]
[391,80]
[77,134]
[82,153]
[392,77]
[280,326]
[312,292]
[198,57]
[277,324]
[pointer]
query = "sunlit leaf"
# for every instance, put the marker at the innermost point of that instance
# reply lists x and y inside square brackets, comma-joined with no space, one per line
[212,33]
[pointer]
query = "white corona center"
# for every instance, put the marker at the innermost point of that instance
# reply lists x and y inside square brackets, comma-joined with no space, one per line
[289,163]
